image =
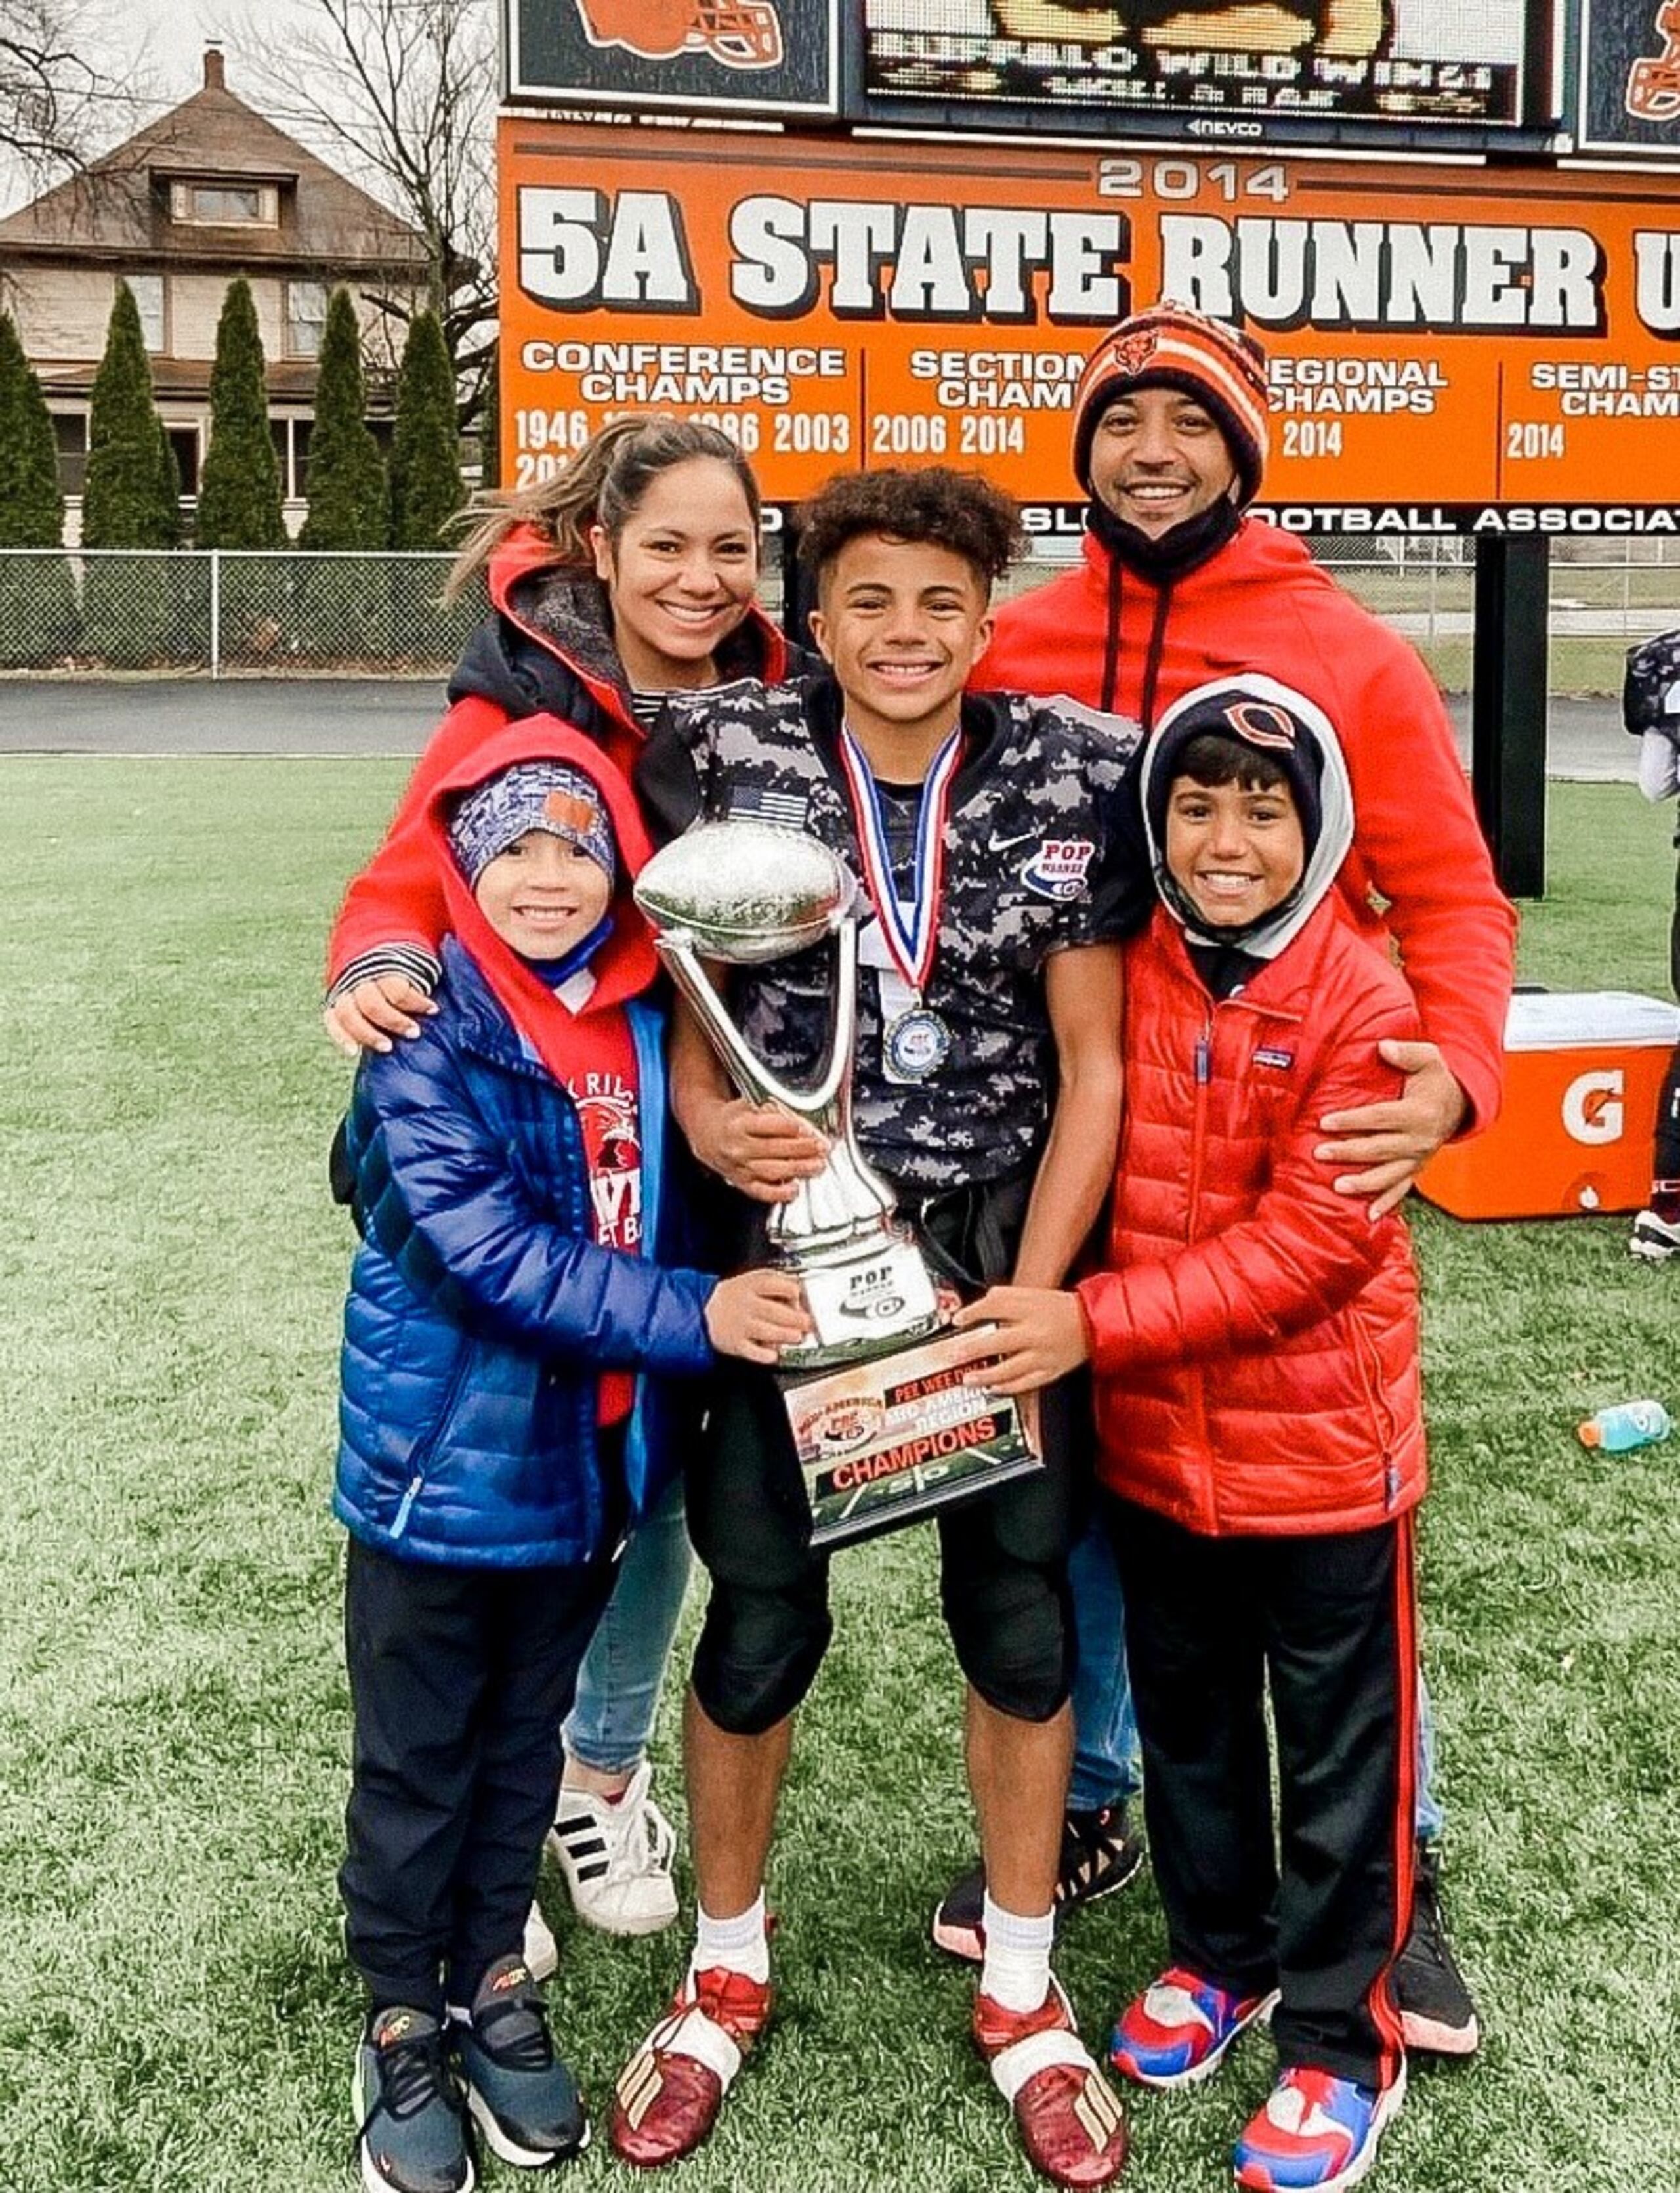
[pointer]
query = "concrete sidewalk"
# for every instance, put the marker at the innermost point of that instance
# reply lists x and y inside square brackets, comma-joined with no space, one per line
[371,716]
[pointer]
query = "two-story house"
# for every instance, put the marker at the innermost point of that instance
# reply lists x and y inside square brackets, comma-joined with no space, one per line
[209,192]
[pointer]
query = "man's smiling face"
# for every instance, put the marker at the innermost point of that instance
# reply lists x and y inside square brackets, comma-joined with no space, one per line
[1158,457]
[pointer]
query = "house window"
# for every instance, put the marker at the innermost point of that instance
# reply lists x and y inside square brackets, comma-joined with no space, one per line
[306,317]
[291,447]
[70,431]
[225,205]
[148,295]
[184,441]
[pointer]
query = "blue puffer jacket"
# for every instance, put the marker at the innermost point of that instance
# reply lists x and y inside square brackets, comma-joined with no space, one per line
[480,1308]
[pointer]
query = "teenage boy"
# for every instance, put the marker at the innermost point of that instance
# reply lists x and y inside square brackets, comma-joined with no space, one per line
[1260,1446]
[987,1091]
[496,1439]
[1178,586]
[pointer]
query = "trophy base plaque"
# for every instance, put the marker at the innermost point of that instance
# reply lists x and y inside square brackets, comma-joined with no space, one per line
[883,1442]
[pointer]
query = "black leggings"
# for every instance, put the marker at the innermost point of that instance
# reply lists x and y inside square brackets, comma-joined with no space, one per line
[1003,1554]
[1002,1571]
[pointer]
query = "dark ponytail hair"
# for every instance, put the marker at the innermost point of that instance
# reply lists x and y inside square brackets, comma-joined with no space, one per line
[603,484]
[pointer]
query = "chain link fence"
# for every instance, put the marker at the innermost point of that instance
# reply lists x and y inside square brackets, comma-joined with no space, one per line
[231,611]
[236,612]
[1605,596]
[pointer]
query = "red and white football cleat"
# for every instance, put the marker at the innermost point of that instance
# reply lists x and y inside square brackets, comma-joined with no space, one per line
[668,2095]
[1070,2121]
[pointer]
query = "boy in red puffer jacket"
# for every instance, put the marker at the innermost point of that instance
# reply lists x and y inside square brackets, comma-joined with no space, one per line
[1254,1339]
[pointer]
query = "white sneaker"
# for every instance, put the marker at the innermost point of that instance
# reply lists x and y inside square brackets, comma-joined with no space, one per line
[1654,1239]
[616,1856]
[542,1952]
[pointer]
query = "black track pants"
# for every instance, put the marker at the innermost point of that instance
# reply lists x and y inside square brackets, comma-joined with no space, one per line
[459,1679]
[1327,1623]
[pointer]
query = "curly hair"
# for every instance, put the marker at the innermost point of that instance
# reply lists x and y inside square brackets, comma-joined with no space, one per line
[959,511]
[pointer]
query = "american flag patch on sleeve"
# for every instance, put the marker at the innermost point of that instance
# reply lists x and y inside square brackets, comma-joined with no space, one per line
[758,803]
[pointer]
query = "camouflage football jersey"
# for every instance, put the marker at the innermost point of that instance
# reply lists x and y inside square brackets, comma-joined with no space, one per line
[1040,854]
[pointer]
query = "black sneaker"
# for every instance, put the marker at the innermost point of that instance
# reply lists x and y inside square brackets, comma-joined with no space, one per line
[410,2111]
[1099,1853]
[522,2097]
[1437,2015]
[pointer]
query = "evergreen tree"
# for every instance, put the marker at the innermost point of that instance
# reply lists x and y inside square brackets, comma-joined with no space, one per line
[346,474]
[426,481]
[31,503]
[168,487]
[126,501]
[344,601]
[124,504]
[39,621]
[239,490]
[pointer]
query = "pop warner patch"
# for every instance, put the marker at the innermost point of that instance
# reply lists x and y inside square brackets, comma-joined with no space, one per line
[1058,869]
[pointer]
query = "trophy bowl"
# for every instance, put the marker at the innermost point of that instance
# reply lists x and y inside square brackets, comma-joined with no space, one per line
[745,892]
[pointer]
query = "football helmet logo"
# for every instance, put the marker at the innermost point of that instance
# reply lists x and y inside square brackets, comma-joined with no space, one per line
[741,34]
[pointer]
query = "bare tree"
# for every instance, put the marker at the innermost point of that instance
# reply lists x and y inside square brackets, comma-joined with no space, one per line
[53,100]
[401,94]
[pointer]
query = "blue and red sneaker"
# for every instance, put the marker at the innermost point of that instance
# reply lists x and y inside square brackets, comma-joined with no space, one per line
[1178,2028]
[1316,2134]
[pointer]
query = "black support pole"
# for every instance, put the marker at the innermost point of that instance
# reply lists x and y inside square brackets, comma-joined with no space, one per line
[799,596]
[1508,740]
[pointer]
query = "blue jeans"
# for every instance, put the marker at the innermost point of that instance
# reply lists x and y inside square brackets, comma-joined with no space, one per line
[623,1671]
[1107,1766]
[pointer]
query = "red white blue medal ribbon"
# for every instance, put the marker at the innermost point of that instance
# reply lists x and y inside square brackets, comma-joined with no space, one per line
[909,930]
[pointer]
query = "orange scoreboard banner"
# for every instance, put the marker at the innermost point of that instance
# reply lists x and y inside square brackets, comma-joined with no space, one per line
[1452,347]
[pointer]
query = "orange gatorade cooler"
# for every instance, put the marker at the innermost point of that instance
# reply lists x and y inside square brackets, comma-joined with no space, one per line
[1582,1072]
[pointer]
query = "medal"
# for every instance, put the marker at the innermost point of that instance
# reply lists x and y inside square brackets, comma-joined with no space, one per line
[915,1041]
[915,1045]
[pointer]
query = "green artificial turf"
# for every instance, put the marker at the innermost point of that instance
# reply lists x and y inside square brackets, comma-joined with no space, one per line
[174,2011]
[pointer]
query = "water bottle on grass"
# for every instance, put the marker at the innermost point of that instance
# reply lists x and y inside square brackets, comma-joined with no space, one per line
[1629,1424]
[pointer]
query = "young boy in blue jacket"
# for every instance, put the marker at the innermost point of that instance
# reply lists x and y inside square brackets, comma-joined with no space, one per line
[509,1324]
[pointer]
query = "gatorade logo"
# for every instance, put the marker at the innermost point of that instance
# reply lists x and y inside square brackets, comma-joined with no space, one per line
[1593,1107]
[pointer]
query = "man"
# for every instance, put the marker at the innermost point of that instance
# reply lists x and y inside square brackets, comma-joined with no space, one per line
[986,1089]
[1178,587]
[1650,707]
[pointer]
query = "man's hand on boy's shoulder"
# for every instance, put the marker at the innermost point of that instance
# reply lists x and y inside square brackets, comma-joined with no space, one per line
[367,1017]
[1394,1140]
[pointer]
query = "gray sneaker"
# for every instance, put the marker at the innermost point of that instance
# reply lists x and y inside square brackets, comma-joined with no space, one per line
[522,2097]
[412,2119]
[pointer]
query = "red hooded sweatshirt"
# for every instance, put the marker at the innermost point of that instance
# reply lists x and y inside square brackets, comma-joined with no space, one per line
[1105,636]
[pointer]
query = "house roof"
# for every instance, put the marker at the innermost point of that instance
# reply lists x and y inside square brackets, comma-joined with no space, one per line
[116,209]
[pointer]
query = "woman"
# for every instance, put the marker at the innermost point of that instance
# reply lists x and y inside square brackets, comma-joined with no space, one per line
[629,577]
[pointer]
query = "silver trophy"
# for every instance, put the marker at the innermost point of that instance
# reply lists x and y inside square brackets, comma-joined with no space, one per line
[746,893]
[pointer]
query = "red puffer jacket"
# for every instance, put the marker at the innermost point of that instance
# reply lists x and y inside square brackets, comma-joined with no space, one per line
[1255,1336]
[1110,639]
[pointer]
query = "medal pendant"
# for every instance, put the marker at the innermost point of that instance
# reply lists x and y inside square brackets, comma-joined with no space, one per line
[915,1045]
